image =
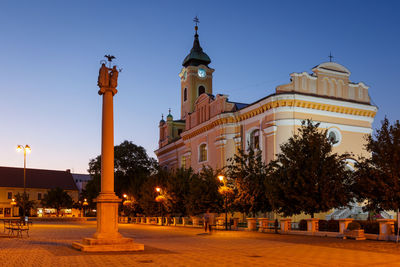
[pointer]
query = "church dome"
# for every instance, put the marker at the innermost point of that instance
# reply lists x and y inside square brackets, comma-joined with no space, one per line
[196,56]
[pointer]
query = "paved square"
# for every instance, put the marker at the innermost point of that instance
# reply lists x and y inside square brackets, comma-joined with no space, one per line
[50,245]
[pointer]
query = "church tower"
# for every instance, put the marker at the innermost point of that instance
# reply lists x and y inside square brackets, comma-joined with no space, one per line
[196,76]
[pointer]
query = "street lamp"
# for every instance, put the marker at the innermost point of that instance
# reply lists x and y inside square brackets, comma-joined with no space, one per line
[222,179]
[85,203]
[26,149]
[159,199]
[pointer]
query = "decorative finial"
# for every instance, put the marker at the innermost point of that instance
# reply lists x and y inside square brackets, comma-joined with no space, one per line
[196,20]
[109,58]
[169,111]
[330,57]
[162,116]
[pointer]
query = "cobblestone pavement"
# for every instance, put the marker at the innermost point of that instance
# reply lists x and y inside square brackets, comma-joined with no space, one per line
[50,245]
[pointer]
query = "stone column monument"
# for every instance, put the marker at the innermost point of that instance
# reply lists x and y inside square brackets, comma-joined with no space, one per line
[107,237]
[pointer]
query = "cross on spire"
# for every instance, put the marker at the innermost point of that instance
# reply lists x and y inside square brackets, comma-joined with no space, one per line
[196,20]
[330,57]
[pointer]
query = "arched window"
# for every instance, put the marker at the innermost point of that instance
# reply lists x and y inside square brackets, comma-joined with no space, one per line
[185,94]
[202,90]
[255,139]
[203,153]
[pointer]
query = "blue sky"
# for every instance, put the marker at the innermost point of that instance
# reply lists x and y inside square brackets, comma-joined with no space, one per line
[51,52]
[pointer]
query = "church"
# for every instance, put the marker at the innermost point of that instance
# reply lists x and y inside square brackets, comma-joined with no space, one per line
[211,128]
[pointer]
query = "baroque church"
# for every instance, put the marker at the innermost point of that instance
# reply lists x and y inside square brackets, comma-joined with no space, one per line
[211,128]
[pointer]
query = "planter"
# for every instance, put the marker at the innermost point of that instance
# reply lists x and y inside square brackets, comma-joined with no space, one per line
[386,228]
[312,225]
[252,224]
[285,225]
[195,220]
[235,223]
[354,234]
[343,223]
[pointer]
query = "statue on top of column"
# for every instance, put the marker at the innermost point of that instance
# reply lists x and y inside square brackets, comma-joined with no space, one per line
[108,78]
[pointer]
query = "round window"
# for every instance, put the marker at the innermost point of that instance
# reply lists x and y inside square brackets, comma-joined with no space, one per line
[334,136]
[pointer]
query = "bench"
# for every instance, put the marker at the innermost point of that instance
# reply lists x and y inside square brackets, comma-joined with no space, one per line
[16,227]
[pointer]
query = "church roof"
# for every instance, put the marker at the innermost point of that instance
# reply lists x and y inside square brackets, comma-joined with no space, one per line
[196,56]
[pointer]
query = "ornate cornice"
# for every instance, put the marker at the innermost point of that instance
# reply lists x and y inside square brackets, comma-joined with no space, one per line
[238,117]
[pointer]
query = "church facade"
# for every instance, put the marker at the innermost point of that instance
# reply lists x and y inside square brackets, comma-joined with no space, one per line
[211,128]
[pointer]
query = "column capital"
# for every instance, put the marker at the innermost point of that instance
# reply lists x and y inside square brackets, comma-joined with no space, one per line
[103,90]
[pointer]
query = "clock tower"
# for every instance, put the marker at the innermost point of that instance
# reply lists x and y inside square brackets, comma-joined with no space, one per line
[196,76]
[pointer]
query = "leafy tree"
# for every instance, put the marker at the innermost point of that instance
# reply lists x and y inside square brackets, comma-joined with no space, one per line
[203,193]
[57,198]
[247,172]
[306,176]
[377,178]
[132,167]
[23,201]
[178,187]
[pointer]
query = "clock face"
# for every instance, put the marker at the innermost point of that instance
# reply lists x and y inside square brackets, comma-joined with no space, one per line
[201,73]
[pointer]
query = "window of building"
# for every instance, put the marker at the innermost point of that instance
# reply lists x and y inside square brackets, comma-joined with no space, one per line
[183,162]
[334,136]
[39,196]
[255,139]
[202,90]
[184,94]
[179,132]
[203,153]
[9,195]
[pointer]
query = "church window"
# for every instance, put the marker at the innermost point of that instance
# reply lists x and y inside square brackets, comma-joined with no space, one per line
[185,94]
[202,90]
[203,153]
[255,139]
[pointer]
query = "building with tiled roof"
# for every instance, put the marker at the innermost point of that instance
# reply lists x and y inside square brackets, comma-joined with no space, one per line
[38,182]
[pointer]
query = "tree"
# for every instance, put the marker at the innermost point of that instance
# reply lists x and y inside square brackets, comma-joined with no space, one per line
[23,201]
[202,194]
[306,176]
[57,198]
[132,167]
[247,172]
[377,178]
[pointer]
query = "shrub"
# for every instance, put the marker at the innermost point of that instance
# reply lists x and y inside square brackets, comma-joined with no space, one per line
[333,226]
[322,225]
[354,226]
[303,225]
[370,227]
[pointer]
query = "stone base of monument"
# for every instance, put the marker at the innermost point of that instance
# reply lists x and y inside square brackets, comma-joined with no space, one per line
[103,245]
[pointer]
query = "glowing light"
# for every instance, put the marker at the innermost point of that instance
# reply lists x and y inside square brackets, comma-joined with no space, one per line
[28,149]
[158,189]
[125,195]
[221,178]
[19,148]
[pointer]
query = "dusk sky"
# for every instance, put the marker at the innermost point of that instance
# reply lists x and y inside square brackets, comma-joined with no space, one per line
[51,52]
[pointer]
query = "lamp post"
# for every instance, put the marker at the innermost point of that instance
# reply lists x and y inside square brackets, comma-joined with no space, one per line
[159,191]
[222,179]
[26,149]
[85,203]
[13,203]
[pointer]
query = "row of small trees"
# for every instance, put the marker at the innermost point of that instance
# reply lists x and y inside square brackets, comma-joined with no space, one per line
[306,177]
[55,198]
